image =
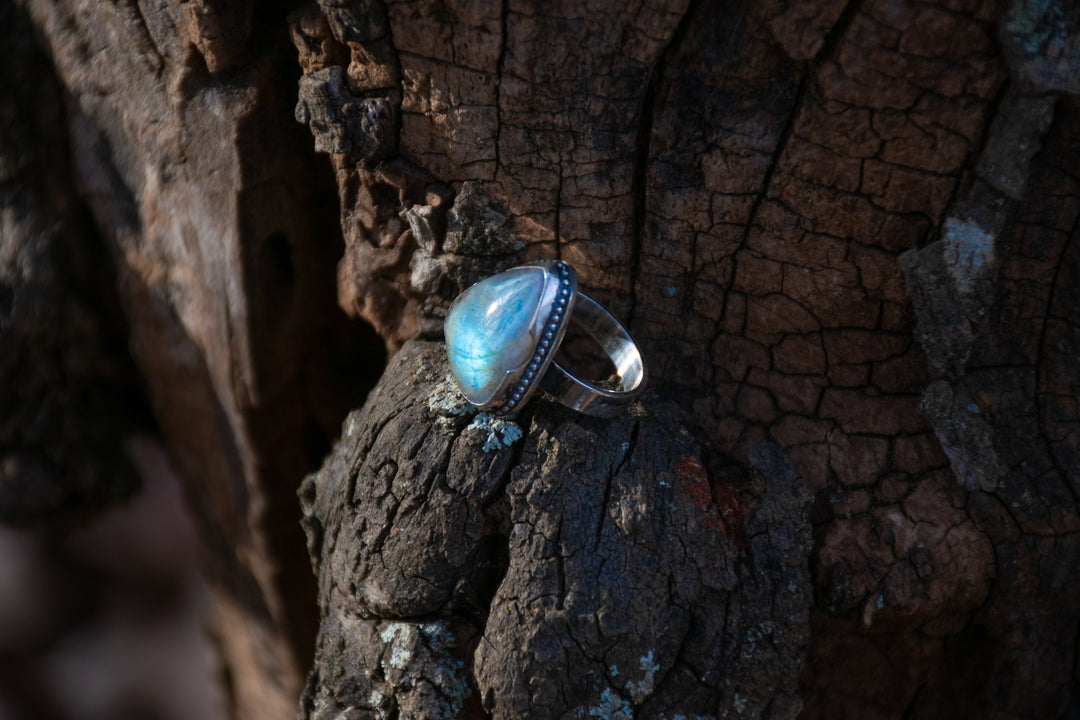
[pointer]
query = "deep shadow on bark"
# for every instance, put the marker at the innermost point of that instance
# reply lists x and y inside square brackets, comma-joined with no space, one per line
[188,176]
[68,391]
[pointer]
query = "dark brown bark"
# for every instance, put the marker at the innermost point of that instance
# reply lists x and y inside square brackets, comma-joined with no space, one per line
[588,570]
[62,385]
[841,231]
[205,193]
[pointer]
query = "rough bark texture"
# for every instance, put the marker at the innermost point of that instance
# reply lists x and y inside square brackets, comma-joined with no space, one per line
[842,232]
[591,572]
[206,197]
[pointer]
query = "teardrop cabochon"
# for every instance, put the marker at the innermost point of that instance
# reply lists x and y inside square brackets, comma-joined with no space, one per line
[502,332]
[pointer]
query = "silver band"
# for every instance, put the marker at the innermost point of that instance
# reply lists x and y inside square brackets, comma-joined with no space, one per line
[619,346]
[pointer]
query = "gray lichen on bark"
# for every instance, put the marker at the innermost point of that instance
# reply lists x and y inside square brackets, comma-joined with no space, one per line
[952,281]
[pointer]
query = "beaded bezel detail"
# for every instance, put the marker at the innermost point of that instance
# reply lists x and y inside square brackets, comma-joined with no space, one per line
[549,331]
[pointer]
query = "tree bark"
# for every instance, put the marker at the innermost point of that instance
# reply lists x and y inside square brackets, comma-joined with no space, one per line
[221,229]
[589,569]
[842,233]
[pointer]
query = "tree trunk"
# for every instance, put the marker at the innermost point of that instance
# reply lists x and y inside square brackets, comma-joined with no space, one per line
[841,232]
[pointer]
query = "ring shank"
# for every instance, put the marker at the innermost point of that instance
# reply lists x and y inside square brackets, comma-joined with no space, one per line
[624,354]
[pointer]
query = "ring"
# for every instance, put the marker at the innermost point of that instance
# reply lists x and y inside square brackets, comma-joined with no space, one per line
[502,334]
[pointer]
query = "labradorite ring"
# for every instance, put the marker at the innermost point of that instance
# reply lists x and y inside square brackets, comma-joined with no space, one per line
[502,334]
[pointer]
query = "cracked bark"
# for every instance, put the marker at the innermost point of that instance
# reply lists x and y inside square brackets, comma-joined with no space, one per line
[842,232]
[589,572]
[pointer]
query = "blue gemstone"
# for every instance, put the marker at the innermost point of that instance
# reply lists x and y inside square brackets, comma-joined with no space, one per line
[489,331]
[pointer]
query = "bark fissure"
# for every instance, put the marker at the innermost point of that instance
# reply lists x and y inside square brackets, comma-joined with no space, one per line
[766,183]
[1043,411]
[642,143]
[556,232]
[836,33]
[500,65]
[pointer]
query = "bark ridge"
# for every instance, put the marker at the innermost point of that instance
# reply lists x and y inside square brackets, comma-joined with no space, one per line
[591,569]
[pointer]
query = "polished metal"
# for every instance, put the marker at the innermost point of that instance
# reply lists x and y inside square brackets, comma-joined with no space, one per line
[619,346]
[481,361]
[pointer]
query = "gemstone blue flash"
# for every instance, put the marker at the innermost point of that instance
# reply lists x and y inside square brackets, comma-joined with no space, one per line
[503,332]
[489,331]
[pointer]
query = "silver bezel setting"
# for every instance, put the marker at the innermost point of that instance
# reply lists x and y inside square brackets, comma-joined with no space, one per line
[549,326]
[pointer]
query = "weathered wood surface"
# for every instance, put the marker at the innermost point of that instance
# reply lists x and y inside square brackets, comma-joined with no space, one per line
[747,185]
[585,571]
[207,199]
[844,229]
[63,383]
